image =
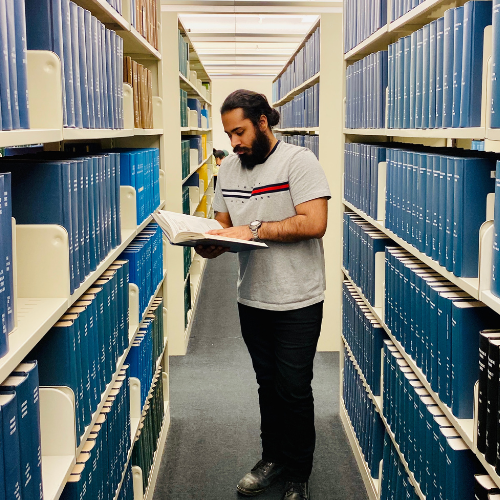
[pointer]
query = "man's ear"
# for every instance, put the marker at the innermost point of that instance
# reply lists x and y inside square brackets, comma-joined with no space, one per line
[263,124]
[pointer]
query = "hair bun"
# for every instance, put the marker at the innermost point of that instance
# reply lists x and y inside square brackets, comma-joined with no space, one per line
[274,118]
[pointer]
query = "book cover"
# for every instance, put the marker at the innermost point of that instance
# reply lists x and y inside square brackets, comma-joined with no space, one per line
[10,444]
[457,66]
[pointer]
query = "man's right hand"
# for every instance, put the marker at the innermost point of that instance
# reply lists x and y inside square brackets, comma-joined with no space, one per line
[210,252]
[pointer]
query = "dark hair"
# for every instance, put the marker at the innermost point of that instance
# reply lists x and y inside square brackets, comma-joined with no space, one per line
[218,153]
[254,105]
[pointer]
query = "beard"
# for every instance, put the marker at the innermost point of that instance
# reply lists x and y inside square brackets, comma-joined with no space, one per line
[257,154]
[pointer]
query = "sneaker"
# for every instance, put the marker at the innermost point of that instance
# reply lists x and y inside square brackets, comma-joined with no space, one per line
[259,478]
[296,491]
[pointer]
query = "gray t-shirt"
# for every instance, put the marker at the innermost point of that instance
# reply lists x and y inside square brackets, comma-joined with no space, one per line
[284,276]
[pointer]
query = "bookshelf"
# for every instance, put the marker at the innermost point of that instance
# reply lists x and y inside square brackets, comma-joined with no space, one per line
[330,154]
[478,288]
[41,278]
[173,80]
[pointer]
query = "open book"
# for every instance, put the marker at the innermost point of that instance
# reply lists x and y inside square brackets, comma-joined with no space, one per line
[190,231]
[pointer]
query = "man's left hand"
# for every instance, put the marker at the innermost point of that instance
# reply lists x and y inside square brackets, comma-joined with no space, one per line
[238,232]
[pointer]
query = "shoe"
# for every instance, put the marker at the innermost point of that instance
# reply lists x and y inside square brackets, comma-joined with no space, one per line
[296,491]
[260,478]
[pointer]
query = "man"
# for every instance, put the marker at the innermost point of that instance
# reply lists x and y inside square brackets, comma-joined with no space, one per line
[275,192]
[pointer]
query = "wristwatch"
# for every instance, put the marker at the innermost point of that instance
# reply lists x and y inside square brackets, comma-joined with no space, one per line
[254,227]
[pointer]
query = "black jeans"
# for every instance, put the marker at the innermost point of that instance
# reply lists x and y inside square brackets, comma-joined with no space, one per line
[282,345]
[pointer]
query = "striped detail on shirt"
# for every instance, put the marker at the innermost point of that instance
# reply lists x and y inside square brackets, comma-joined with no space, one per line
[271,188]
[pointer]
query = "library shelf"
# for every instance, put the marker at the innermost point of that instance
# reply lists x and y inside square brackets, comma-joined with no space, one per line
[378,39]
[199,279]
[372,485]
[492,301]
[465,427]
[29,137]
[105,13]
[195,168]
[377,401]
[209,186]
[469,285]
[84,134]
[298,130]
[473,133]
[148,131]
[419,15]
[191,89]
[187,130]
[134,43]
[298,90]
[55,472]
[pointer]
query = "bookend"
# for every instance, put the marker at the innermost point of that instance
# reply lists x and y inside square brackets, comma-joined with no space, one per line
[157,112]
[128,107]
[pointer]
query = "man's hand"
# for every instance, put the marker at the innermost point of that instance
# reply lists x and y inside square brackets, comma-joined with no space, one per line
[210,252]
[238,232]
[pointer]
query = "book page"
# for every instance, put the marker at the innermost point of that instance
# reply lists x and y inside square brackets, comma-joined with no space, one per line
[181,223]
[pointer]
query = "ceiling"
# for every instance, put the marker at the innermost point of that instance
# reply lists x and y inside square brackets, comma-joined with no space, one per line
[247,38]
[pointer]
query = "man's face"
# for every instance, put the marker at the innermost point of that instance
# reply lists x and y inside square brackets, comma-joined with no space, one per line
[248,141]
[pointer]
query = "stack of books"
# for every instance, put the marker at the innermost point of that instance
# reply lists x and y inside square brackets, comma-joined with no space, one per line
[366,83]
[401,7]
[20,443]
[91,58]
[140,168]
[146,440]
[7,312]
[144,18]
[438,325]
[14,107]
[145,256]
[196,142]
[81,194]
[140,79]
[436,74]
[117,5]
[302,110]
[306,141]
[364,335]
[305,65]
[82,350]
[99,467]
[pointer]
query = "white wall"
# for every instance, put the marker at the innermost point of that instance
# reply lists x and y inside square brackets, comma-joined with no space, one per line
[221,88]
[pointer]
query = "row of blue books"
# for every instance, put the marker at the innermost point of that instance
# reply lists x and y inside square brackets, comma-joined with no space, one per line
[306,141]
[435,75]
[14,106]
[437,203]
[438,325]
[183,56]
[361,19]
[146,442]
[305,65]
[302,110]
[91,59]
[395,481]
[99,467]
[20,441]
[7,313]
[140,168]
[79,193]
[145,256]
[117,5]
[366,82]
[147,348]
[362,245]
[82,349]
[195,142]
[186,157]
[441,462]
[366,422]
[401,7]
[364,335]
[361,171]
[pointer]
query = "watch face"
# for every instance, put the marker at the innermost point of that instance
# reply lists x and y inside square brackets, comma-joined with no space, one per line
[255,224]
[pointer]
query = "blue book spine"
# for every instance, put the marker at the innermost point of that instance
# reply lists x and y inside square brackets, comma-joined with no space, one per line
[96,72]
[450,176]
[82,53]
[109,78]
[448,52]
[22,63]
[75,55]
[5,94]
[6,231]
[435,207]
[400,83]
[432,74]
[105,104]
[425,75]
[495,269]
[439,72]
[457,65]
[4,333]
[409,78]
[460,469]
[11,40]
[441,230]
[89,46]
[63,42]
[419,79]
[495,68]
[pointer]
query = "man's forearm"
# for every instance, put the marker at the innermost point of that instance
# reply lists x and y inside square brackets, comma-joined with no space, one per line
[291,230]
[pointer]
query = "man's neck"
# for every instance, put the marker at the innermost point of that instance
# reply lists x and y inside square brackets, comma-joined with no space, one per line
[273,142]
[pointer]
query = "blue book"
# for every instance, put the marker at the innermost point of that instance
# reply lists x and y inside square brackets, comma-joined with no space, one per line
[6,232]
[21,63]
[419,79]
[400,65]
[477,15]
[109,78]
[5,97]
[4,333]
[468,319]
[30,369]
[63,43]
[457,65]
[11,40]
[10,444]
[495,67]
[448,245]
[436,193]
[461,465]
[441,229]
[473,183]
[407,80]
[426,61]
[432,74]
[438,122]
[82,54]
[429,183]
[75,55]
[89,46]
[448,53]
[96,73]
[495,268]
